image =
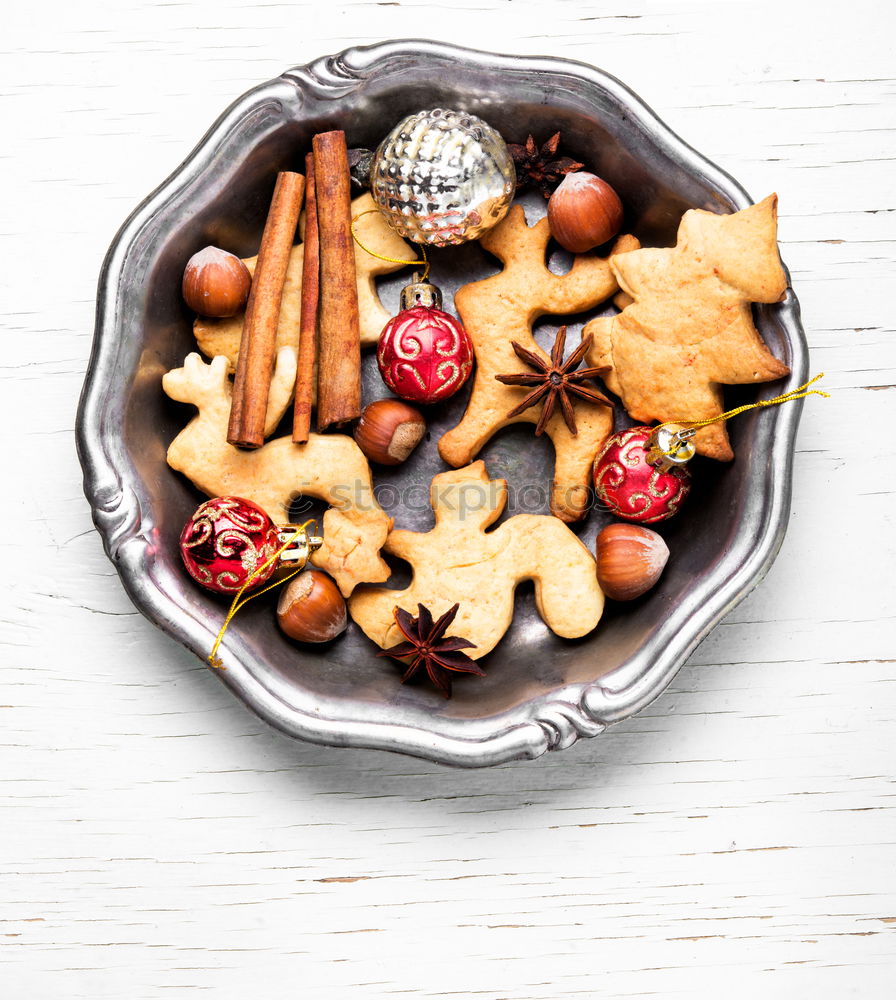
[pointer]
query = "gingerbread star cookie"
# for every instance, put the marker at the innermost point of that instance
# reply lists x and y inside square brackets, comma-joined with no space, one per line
[222,336]
[500,310]
[330,467]
[686,327]
[459,562]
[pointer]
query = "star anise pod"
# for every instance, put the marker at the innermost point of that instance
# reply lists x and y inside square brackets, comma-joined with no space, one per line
[541,167]
[555,381]
[430,648]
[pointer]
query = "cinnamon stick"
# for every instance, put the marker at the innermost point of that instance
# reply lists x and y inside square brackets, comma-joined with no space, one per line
[301,418]
[339,361]
[258,343]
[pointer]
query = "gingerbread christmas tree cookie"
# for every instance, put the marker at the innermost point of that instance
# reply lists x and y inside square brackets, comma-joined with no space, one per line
[458,562]
[687,327]
[500,310]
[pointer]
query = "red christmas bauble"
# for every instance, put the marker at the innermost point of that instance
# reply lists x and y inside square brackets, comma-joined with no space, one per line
[225,541]
[630,486]
[425,355]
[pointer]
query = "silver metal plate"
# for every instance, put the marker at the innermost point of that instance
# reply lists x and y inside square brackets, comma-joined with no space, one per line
[541,692]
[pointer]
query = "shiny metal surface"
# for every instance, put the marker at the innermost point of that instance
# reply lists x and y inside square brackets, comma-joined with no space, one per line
[442,177]
[420,293]
[541,692]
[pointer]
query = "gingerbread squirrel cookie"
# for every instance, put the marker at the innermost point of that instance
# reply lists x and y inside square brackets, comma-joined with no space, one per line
[222,336]
[459,562]
[686,326]
[330,467]
[501,309]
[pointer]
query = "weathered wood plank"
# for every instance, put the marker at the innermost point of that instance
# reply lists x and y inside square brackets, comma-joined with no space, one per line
[737,836]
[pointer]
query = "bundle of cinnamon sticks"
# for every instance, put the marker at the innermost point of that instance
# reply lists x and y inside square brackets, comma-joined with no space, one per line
[329,329]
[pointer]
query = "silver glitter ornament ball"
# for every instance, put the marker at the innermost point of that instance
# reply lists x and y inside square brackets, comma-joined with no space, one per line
[442,177]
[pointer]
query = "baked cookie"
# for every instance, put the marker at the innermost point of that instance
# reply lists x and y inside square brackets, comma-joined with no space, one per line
[330,467]
[459,562]
[686,327]
[501,309]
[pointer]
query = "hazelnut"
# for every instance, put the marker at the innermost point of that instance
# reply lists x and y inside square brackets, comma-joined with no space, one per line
[389,430]
[630,560]
[311,609]
[584,212]
[216,283]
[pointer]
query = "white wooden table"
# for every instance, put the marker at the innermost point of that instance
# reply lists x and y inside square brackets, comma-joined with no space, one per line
[737,836]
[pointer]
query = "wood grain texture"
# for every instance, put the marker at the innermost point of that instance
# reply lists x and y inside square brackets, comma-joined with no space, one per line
[736,837]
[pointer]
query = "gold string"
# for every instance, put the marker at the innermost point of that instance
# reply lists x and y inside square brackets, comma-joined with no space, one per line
[379,256]
[239,601]
[801,392]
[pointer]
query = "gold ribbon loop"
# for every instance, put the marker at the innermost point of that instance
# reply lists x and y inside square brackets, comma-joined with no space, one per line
[379,256]
[239,601]
[801,392]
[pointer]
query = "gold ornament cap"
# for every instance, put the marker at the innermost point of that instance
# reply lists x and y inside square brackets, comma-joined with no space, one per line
[298,546]
[670,445]
[420,293]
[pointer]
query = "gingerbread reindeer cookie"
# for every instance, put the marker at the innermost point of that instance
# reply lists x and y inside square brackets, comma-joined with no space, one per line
[686,325]
[222,336]
[501,309]
[330,467]
[459,562]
